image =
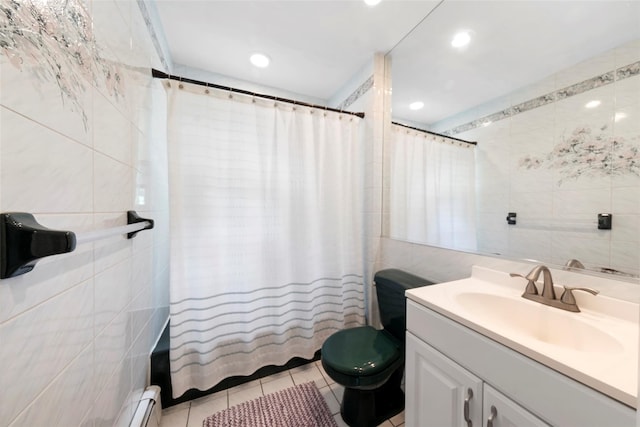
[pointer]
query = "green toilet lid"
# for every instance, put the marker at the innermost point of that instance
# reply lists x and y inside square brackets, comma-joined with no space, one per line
[360,351]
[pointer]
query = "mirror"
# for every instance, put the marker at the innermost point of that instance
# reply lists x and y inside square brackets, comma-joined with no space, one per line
[551,93]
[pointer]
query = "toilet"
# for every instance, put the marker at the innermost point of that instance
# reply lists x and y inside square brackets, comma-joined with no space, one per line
[368,362]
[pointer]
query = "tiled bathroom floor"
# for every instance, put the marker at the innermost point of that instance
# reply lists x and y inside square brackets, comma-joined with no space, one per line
[191,414]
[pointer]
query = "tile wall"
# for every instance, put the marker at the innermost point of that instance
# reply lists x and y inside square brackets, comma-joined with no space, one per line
[81,142]
[366,95]
[557,163]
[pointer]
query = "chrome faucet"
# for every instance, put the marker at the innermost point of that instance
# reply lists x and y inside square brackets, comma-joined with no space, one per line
[566,302]
[574,264]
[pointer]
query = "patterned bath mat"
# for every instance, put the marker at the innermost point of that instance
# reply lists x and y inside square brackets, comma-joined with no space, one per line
[299,406]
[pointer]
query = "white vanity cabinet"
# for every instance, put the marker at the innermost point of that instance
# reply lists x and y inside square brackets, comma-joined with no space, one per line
[446,360]
[500,411]
[439,392]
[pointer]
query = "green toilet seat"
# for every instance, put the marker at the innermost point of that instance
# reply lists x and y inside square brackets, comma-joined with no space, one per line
[362,356]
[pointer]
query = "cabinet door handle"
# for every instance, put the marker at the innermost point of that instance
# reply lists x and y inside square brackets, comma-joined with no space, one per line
[467,401]
[492,417]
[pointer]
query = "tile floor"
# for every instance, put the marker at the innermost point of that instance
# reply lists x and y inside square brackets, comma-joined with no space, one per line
[191,414]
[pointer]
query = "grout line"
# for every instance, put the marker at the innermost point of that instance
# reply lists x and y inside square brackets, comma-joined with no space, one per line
[188,414]
[291,377]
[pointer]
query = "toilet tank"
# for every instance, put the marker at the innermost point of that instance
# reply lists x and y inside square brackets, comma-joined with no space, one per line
[390,287]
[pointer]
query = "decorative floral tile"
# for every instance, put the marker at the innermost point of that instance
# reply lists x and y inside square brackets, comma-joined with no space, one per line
[589,152]
[54,41]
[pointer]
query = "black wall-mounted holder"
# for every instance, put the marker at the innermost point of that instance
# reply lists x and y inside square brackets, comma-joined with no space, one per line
[511,218]
[605,221]
[23,241]
[134,218]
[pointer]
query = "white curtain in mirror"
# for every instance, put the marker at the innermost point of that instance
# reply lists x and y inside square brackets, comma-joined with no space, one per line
[432,193]
[266,221]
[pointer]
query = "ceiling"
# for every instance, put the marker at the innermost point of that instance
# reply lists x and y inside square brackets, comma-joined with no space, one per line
[318,46]
[315,46]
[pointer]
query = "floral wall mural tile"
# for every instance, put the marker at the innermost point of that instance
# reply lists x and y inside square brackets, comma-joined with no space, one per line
[54,41]
[589,152]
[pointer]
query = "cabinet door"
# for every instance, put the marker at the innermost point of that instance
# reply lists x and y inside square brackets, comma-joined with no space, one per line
[500,411]
[439,392]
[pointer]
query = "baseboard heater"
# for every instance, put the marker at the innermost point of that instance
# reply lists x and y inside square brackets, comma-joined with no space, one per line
[149,410]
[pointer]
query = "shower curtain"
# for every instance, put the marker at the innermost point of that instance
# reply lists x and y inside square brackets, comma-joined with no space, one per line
[266,225]
[432,192]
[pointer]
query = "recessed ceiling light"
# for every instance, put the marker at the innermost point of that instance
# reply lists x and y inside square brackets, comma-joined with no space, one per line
[372,2]
[416,105]
[461,39]
[260,60]
[592,104]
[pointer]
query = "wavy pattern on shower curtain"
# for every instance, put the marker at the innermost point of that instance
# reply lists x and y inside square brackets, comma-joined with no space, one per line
[266,223]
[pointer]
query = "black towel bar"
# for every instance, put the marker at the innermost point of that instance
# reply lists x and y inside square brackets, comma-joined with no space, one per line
[24,241]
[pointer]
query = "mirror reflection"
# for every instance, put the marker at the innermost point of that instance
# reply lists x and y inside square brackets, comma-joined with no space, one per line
[550,91]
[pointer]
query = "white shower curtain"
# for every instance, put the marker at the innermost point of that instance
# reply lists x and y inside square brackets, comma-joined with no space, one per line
[266,225]
[432,193]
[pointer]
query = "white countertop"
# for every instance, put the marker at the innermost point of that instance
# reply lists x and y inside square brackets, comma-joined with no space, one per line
[597,347]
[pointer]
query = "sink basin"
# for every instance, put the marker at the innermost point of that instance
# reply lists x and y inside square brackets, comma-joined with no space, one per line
[542,323]
[597,346]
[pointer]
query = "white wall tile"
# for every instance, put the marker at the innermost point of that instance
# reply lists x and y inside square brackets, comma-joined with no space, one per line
[628,53]
[66,401]
[570,203]
[111,345]
[110,251]
[586,69]
[624,256]
[113,185]
[113,398]
[37,345]
[112,293]
[626,228]
[627,92]
[590,251]
[43,171]
[37,96]
[111,130]
[70,160]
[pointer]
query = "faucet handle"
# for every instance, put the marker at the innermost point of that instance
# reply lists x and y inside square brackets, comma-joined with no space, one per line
[568,298]
[531,288]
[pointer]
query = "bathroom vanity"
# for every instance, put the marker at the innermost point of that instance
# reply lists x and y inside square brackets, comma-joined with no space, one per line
[480,355]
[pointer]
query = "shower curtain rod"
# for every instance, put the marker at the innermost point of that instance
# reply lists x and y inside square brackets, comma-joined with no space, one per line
[161,75]
[434,133]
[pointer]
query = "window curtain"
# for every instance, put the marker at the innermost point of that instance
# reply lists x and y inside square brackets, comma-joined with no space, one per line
[432,190]
[266,224]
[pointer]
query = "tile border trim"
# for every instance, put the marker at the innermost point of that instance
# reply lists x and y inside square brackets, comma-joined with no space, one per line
[361,90]
[604,79]
[152,32]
